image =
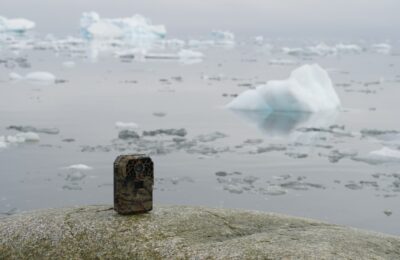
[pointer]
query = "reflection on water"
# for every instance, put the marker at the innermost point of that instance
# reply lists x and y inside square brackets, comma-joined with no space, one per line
[284,124]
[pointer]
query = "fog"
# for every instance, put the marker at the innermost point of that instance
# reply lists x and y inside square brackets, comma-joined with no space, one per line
[284,18]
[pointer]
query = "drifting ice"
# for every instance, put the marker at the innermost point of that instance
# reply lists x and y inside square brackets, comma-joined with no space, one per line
[308,89]
[133,28]
[79,167]
[19,138]
[19,25]
[34,77]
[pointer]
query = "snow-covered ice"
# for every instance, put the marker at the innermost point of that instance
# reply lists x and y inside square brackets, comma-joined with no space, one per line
[18,25]
[388,153]
[308,89]
[28,137]
[382,48]
[126,125]
[135,28]
[79,167]
[34,77]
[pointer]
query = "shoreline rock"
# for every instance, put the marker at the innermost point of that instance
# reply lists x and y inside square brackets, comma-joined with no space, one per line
[183,232]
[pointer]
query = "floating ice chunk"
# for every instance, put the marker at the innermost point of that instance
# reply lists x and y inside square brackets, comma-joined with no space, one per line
[132,28]
[259,40]
[3,144]
[348,48]
[189,54]
[225,38]
[387,152]
[282,62]
[19,25]
[126,125]
[382,156]
[308,89]
[15,76]
[28,137]
[79,167]
[40,77]
[322,50]
[68,64]
[19,138]
[382,48]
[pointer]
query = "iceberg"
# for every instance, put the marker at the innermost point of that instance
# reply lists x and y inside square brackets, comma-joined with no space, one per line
[224,38]
[135,28]
[18,25]
[308,89]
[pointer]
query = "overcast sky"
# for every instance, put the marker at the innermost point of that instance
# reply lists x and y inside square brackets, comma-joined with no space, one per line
[286,18]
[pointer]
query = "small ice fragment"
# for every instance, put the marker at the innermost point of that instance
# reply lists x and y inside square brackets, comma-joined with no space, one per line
[259,40]
[40,76]
[308,89]
[388,212]
[14,76]
[282,62]
[135,28]
[19,25]
[189,54]
[348,48]
[3,143]
[79,167]
[68,64]
[225,38]
[386,152]
[28,137]
[126,125]
[382,48]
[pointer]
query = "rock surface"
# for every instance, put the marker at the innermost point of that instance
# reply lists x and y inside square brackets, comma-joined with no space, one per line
[179,232]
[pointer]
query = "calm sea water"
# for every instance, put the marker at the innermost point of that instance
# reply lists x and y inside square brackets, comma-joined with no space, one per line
[268,163]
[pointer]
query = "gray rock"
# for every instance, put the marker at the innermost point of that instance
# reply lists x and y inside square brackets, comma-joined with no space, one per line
[177,232]
[128,134]
[50,131]
[178,132]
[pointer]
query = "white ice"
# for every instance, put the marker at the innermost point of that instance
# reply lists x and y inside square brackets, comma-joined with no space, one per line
[308,89]
[79,167]
[19,25]
[135,28]
[40,77]
[387,153]
[382,48]
[224,38]
[28,137]
[323,49]
[126,125]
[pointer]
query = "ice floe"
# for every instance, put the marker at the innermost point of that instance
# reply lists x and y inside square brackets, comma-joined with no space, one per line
[38,77]
[19,138]
[322,49]
[382,48]
[135,29]
[18,25]
[126,125]
[381,156]
[308,89]
[224,38]
[51,131]
[78,167]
